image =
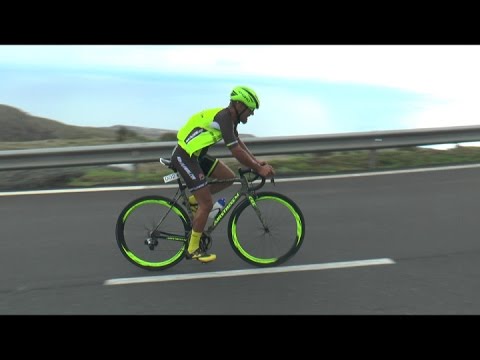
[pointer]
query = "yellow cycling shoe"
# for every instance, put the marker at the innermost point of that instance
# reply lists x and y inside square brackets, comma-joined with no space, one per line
[201,256]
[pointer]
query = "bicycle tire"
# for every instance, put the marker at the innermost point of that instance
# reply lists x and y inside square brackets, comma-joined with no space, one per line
[286,230]
[156,251]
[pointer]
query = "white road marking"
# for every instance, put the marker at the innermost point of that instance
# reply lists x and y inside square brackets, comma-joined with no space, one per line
[386,172]
[96,189]
[259,271]
[319,177]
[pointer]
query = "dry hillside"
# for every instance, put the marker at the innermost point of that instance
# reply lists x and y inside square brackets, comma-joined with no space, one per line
[18,125]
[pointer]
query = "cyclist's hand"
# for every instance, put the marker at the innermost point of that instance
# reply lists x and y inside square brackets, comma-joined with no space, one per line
[266,171]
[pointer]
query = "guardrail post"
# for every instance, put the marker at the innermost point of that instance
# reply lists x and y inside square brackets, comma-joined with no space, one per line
[372,159]
[135,171]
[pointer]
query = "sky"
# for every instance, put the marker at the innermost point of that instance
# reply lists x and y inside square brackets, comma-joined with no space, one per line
[303,89]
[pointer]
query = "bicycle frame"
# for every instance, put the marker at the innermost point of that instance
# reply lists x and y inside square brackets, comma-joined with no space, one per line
[245,192]
[235,198]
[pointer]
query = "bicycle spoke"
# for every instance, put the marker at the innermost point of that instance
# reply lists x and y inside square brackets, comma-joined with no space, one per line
[277,233]
[151,232]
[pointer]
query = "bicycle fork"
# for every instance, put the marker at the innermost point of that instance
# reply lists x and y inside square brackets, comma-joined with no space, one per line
[259,213]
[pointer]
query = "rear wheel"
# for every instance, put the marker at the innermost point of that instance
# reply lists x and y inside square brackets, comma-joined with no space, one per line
[152,232]
[270,234]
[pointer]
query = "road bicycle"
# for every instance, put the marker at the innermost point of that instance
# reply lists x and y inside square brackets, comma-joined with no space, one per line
[264,228]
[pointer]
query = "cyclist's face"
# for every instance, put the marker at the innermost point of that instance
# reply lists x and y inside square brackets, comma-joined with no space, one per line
[246,112]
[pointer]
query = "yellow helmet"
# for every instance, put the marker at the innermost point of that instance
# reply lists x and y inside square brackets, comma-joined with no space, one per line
[245,95]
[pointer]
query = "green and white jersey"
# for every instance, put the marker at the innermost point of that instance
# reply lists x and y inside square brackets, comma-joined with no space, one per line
[206,128]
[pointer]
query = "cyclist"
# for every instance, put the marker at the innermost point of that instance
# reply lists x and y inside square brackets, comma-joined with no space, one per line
[191,160]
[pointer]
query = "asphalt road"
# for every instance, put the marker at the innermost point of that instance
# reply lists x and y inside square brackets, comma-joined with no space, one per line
[59,254]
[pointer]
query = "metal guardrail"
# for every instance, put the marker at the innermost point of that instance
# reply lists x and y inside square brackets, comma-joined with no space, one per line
[151,152]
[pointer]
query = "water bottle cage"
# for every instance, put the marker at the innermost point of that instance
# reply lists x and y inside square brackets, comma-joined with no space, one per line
[217,208]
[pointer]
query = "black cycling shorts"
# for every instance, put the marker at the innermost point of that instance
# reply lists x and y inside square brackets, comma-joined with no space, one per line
[194,170]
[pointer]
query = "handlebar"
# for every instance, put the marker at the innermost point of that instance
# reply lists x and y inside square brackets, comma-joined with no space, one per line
[256,176]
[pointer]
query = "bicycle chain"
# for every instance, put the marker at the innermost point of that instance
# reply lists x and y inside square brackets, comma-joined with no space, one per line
[205,242]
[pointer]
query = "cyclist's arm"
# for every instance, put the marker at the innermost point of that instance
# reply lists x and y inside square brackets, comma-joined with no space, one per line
[245,158]
[233,142]
[236,146]
[244,147]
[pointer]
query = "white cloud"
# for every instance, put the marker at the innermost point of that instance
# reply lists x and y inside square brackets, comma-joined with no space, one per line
[457,112]
[301,114]
[441,70]
[447,73]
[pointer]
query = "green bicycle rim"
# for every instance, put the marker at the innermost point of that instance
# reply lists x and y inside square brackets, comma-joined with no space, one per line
[132,256]
[269,260]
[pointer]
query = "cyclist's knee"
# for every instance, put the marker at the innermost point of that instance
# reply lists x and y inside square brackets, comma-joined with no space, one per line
[206,204]
[204,199]
[230,173]
[222,171]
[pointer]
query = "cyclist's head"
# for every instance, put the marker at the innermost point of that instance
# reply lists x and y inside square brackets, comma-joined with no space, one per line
[246,96]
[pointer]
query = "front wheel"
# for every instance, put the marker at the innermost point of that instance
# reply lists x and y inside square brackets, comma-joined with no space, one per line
[266,229]
[152,231]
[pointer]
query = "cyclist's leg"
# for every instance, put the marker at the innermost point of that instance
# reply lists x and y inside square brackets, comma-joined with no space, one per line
[205,203]
[216,169]
[196,181]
